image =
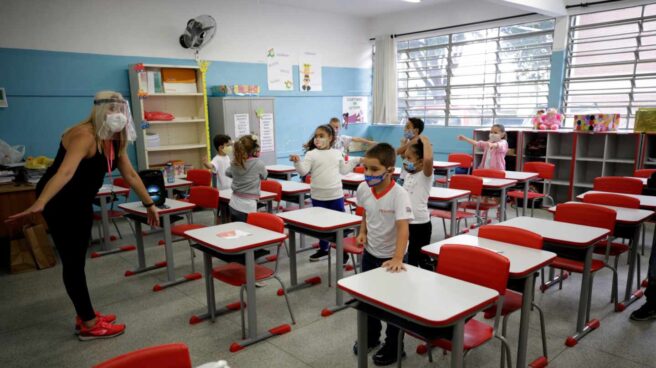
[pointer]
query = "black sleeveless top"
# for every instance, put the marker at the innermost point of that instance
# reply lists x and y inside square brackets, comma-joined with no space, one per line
[76,197]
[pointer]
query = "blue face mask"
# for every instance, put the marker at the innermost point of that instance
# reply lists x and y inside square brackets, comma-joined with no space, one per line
[373,180]
[408,134]
[409,166]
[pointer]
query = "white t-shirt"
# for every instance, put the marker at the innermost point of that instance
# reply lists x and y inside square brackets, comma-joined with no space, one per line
[325,166]
[418,187]
[244,205]
[342,143]
[382,212]
[221,163]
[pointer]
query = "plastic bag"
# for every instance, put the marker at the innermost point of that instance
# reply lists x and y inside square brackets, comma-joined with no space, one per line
[9,154]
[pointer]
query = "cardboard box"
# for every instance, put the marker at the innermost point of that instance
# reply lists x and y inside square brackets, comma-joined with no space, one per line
[596,122]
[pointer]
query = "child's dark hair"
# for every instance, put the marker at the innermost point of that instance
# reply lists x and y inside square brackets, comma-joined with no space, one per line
[502,129]
[384,152]
[417,124]
[335,120]
[309,146]
[418,149]
[220,140]
[244,148]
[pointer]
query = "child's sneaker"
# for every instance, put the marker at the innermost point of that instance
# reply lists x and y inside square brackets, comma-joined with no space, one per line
[101,330]
[109,318]
[319,255]
[644,313]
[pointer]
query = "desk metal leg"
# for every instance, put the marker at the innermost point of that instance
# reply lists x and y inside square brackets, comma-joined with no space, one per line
[584,327]
[525,204]
[301,205]
[170,263]
[141,254]
[106,239]
[524,321]
[293,277]
[454,221]
[363,358]
[339,273]
[457,344]
[629,295]
[502,207]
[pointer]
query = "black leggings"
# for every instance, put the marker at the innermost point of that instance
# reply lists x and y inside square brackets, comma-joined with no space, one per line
[71,237]
[420,235]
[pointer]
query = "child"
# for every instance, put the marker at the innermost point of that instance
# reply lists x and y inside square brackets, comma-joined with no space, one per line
[494,149]
[418,164]
[411,132]
[325,164]
[246,171]
[221,162]
[384,234]
[342,142]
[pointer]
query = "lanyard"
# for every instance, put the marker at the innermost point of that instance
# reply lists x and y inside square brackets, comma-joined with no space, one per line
[110,161]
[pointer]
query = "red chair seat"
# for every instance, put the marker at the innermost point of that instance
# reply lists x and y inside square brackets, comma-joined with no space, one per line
[511,302]
[350,246]
[179,230]
[576,266]
[476,334]
[519,194]
[471,205]
[440,180]
[447,214]
[235,273]
[97,216]
[615,248]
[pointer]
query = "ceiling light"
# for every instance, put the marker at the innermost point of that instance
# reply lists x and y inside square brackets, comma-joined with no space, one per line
[412,1]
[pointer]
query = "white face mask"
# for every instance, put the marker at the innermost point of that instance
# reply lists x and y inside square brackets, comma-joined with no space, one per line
[116,122]
[228,150]
[495,137]
[321,143]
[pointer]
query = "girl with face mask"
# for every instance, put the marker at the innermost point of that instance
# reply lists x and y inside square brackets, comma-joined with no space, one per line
[494,149]
[325,164]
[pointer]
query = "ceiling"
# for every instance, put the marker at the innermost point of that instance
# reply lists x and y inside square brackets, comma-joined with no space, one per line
[359,8]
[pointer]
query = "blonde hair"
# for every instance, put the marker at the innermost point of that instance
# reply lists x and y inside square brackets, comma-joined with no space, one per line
[244,148]
[96,117]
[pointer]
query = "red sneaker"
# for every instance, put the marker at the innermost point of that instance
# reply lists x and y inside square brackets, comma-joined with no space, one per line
[109,318]
[101,330]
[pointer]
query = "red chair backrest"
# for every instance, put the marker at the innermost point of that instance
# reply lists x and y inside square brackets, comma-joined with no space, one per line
[163,356]
[120,182]
[476,265]
[586,214]
[463,159]
[359,211]
[611,199]
[359,169]
[474,184]
[644,173]
[618,184]
[200,177]
[308,179]
[489,173]
[267,221]
[273,187]
[205,197]
[512,235]
[544,169]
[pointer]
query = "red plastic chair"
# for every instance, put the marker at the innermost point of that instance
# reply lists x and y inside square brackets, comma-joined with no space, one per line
[644,173]
[545,173]
[474,185]
[489,173]
[272,186]
[199,177]
[484,206]
[465,161]
[359,169]
[618,184]
[235,273]
[113,214]
[163,356]
[588,215]
[351,247]
[481,267]
[513,300]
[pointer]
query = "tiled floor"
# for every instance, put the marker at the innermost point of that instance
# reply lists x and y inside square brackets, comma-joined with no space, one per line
[36,320]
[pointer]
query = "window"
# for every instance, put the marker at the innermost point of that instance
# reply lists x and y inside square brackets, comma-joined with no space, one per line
[493,75]
[611,63]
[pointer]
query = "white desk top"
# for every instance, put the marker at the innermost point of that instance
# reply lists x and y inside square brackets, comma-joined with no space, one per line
[494,183]
[226,194]
[280,169]
[624,215]
[444,164]
[353,178]
[177,183]
[446,194]
[645,201]
[559,232]
[418,295]
[220,237]
[137,208]
[523,260]
[320,219]
[521,176]
[108,189]
[293,187]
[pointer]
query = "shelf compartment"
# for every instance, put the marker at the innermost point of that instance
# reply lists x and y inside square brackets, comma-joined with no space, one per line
[590,146]
[561,171]
[586,171]
[560,145]
[618,169]
[621,146]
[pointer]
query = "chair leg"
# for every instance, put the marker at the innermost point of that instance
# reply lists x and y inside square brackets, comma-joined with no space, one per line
[284,291]
[399,348]
[644,230]
[130,225]
[532,207]
[193,255]
[430,351]
[120,236]
[444,226]
[505,345]
[543,329]
[638,279]
[330,269]
[241,310]
[504,327]
[560,282]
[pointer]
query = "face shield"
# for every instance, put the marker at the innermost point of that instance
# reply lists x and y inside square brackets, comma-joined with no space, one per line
[113,119]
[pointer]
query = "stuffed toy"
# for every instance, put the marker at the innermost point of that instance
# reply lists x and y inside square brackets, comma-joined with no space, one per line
[551,120]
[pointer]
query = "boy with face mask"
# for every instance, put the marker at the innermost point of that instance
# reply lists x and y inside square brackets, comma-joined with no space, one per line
[221,162]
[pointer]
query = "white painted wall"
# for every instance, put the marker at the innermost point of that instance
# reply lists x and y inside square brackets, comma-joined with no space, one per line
[246,28]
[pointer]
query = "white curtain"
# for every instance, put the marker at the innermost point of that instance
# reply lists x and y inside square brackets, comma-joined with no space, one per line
[385,93]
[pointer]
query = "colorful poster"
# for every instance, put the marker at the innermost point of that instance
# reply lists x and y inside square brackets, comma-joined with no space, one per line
[267,142]
[241,125]
[309,69]
[355,109]
[279,70]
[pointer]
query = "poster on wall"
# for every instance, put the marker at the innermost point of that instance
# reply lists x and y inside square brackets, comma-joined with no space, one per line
[266,133]
[355,109]
[279,70]
[241,125]
[309,69]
